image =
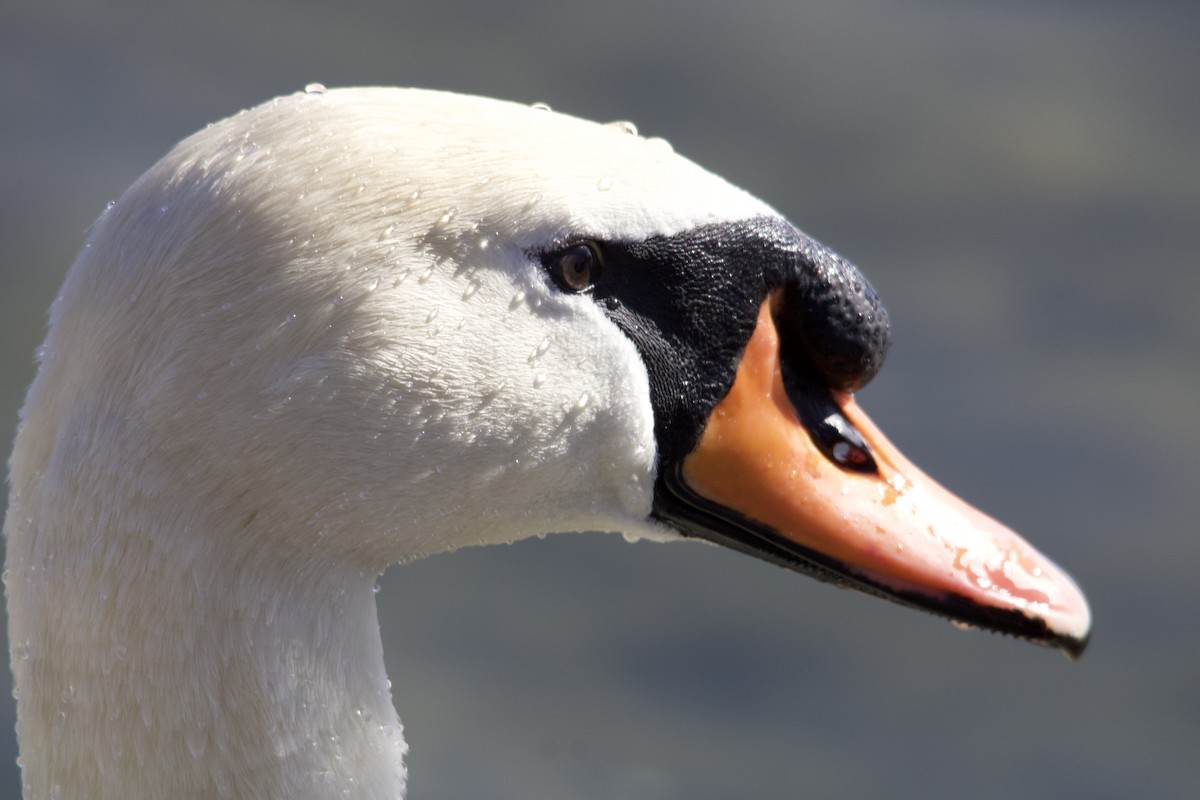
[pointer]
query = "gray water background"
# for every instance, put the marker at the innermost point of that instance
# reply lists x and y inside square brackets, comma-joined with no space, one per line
[1021,182]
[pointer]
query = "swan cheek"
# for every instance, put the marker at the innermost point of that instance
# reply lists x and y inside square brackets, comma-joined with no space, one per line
[635,452]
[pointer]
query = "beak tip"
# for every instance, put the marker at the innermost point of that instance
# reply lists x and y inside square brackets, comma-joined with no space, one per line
[1069,619]
[1073,648]
[1075,640]
[1067,627]
[1066,623]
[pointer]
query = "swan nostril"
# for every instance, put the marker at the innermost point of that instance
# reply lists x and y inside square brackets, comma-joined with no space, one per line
[818,411]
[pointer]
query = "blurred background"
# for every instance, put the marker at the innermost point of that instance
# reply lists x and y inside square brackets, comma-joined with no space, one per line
[1021,182]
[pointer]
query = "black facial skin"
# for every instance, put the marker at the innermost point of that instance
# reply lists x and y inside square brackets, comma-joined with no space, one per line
[690,303]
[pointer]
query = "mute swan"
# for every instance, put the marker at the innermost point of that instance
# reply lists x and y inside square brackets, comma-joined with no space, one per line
[349,328]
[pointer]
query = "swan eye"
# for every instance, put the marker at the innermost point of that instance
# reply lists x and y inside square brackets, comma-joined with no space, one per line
[575,268]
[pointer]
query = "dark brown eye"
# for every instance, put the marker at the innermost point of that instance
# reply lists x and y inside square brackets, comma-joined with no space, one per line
[575,268]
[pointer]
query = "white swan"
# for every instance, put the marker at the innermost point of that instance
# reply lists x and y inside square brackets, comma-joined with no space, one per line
[355,327]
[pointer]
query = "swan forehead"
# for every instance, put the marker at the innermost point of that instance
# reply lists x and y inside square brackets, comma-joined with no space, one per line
[522,172]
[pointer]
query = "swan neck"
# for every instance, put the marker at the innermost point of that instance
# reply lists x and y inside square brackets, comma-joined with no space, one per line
[144,672]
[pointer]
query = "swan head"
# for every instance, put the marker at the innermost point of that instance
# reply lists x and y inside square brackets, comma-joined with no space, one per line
[363,326]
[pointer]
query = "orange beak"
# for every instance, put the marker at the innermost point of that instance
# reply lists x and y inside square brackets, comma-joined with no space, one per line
[759,482]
